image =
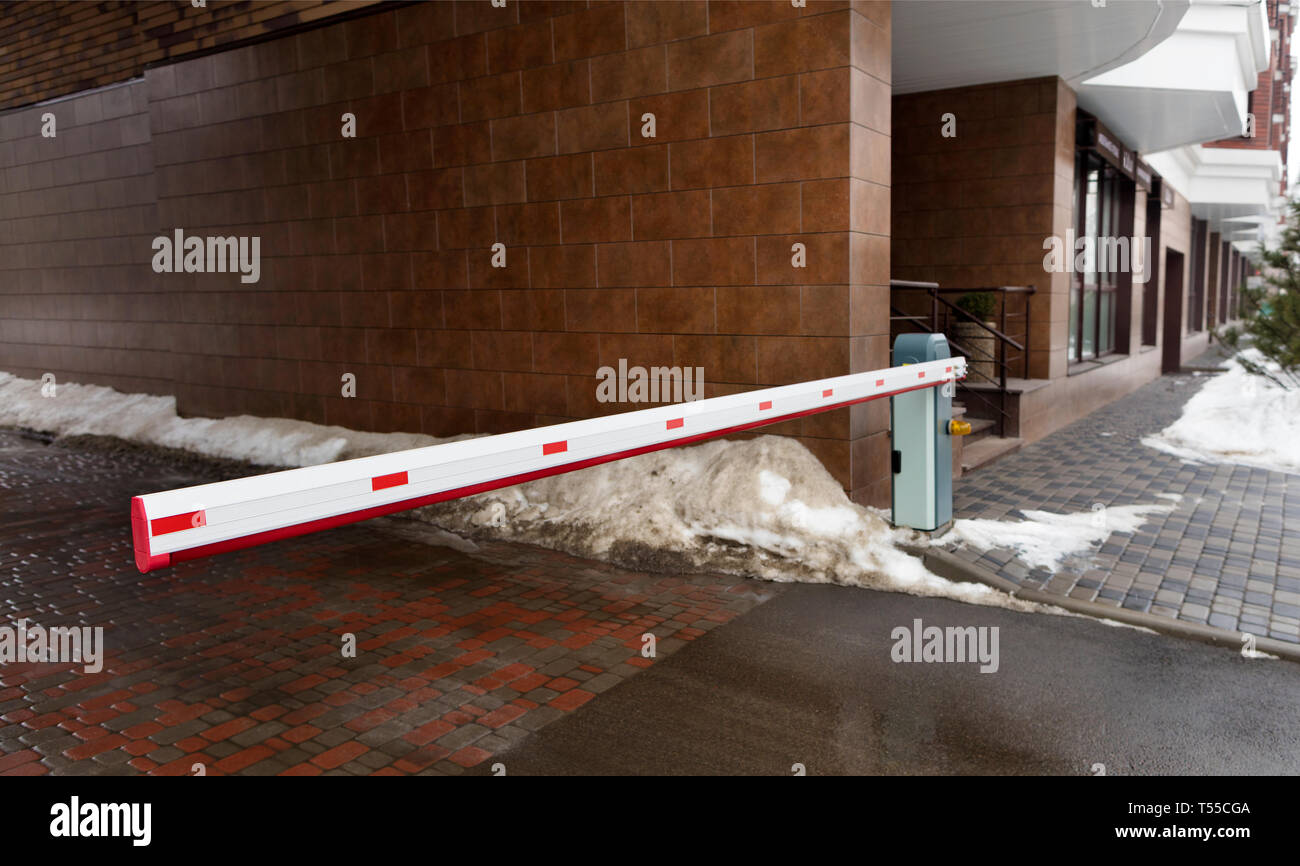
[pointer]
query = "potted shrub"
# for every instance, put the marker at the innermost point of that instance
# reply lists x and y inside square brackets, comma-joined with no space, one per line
[975,342]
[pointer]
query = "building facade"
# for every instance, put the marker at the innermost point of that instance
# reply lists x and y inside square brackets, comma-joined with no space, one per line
[1078,179]
[471,209]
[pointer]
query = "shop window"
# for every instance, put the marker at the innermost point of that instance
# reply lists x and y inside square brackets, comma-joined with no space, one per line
[1100,287]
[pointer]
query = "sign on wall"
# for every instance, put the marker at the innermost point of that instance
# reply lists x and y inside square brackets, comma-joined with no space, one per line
[1097,137]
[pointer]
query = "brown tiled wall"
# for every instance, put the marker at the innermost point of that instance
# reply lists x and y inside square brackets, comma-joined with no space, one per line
[973,210]
[77,215]
[57,48]
[519,126]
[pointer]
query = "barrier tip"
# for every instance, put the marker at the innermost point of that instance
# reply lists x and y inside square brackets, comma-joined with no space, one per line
[145,560]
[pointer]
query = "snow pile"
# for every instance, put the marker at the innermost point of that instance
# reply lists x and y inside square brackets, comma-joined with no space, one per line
[1237,418]
[1045,539]
[99,411]
[763,507]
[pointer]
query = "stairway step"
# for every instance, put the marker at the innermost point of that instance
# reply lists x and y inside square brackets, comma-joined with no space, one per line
[987,449]
[980,428]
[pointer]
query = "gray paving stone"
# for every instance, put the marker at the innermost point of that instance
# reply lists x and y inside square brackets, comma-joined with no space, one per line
[465,735]
[1222,556]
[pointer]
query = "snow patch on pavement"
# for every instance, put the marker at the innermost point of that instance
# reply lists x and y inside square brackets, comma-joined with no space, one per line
[1236,418]
[1046,539]
[763,507]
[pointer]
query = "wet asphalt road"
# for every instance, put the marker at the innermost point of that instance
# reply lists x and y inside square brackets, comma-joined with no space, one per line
[807,678]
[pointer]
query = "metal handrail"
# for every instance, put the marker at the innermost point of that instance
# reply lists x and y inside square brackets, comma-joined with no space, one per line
[985,325]
[1000,361]
[935,291]
[1008,290]
[997,407]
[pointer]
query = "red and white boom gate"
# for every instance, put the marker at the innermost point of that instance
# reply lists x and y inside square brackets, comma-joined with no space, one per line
[176,525]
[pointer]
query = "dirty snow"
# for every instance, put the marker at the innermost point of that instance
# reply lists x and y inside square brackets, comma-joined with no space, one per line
[764,507]
[95,410]
[1046,539]
[1236,418]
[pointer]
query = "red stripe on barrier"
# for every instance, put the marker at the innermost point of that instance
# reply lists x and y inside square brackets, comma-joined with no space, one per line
[766,404]
[555,447]
[674,423]
[383,482]
[828,392]
[177,522]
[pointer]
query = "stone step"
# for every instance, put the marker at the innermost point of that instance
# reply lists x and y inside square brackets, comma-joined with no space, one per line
[985,450]
[980,428]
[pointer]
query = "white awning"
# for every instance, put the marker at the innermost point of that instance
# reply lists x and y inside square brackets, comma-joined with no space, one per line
[939,44]
[1236,190]
[1224,183]
[1192,87]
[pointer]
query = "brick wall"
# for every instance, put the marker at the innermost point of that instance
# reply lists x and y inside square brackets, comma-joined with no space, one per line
[476,126]
[53,49]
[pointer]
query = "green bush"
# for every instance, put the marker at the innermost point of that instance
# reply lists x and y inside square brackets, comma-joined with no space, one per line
[1270,314]
[981,305]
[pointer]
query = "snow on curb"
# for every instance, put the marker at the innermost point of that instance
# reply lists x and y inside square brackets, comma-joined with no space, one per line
[762,507]
[1236,417]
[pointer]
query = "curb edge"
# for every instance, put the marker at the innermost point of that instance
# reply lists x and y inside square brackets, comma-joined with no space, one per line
[947,564]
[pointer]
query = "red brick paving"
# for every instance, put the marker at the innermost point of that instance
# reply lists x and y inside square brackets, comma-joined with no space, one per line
[339,755]
[470,756]
[502,716]
[235,663]
[246,758]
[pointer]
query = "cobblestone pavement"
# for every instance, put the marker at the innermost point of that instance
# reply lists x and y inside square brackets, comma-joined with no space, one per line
[1221,557]
[235,662]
